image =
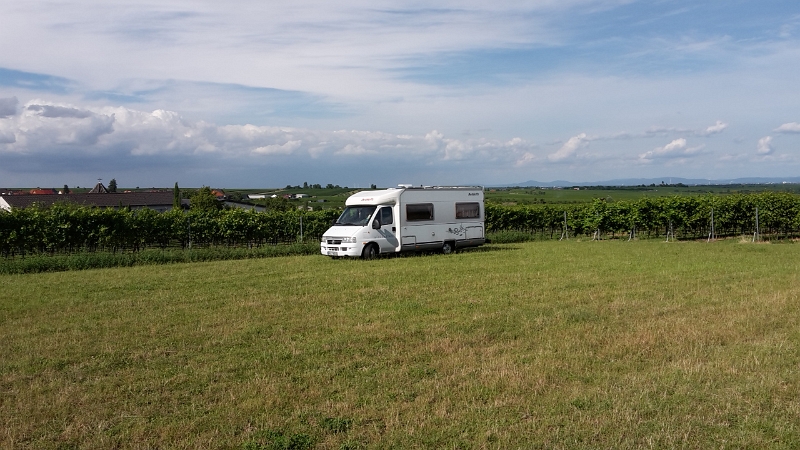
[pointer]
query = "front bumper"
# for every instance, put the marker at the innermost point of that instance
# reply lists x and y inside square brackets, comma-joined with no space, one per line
[341,249]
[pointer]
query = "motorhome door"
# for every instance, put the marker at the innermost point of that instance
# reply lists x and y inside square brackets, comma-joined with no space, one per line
[387,231]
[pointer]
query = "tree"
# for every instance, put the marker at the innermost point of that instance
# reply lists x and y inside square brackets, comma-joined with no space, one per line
[278,204]
[372,186]
[66,189]
[112,185]
[176,197]
[305,184]
[204,200]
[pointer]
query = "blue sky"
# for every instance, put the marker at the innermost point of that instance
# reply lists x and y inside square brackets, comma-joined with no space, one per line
[260,94]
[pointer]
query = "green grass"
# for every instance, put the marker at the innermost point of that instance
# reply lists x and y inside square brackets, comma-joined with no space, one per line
[103,259]
[539,345]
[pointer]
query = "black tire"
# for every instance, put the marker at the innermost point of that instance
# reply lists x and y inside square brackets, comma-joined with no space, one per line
[370,252]
[448,248]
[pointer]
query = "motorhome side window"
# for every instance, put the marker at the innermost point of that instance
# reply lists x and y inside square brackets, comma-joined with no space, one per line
[419,211]
[468,210]
[386,215]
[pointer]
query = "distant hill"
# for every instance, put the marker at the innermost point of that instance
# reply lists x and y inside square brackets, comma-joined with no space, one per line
[648,181]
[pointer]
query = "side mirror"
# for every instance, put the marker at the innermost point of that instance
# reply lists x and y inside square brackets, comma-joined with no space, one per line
[376,224]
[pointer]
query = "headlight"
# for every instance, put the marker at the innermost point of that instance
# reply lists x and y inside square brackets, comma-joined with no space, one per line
[349,240]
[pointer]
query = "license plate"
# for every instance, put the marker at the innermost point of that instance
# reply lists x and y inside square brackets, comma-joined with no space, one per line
[333,253]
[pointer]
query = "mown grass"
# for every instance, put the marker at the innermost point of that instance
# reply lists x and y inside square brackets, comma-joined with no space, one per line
[538,345]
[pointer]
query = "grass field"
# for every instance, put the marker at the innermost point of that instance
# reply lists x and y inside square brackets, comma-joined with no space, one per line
[538,345]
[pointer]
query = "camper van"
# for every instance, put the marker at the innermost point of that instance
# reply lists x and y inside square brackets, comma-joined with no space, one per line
[407,219]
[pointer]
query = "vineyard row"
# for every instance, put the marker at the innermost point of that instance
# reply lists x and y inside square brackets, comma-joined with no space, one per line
[64,228]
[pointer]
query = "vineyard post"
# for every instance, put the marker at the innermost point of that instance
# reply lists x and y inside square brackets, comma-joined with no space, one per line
[711,235]
[756,237]
[301,228]
[566,230]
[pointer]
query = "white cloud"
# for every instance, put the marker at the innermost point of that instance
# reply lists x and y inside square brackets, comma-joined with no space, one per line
[569,149]
[278,149]
[719,127]
[44,128]
[353,150]
[55,112]
[525,159]
[765,146]
[791,127]
[676,149]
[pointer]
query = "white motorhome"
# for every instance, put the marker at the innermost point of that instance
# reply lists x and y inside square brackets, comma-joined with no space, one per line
[407,219]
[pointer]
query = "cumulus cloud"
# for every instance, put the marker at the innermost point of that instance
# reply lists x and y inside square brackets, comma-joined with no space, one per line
[677,149]
[44,128]
[8,107]
[765,146]
[719,127]
[53,111]
[278,149]
[569,149]
[791,127]
[525,159]
[353,149]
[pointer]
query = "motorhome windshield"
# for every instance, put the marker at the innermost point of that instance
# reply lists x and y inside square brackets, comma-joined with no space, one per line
[355,216]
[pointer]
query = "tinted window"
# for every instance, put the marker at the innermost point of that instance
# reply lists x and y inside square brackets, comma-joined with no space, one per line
[386,216]
[419,211]
[468,210]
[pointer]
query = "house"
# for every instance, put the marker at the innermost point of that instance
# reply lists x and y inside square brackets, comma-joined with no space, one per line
[220,194]
[39,191]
